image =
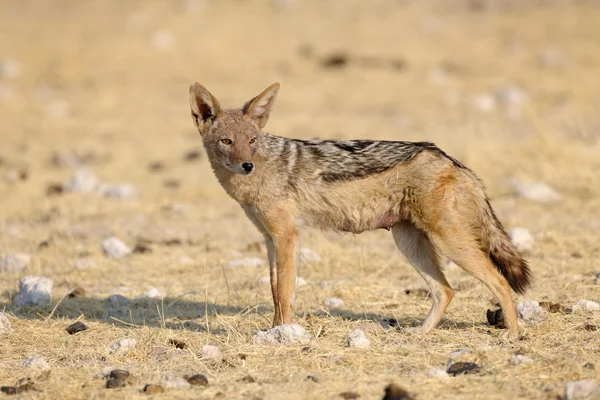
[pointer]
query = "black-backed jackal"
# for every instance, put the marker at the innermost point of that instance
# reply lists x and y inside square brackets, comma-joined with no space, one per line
[433,204]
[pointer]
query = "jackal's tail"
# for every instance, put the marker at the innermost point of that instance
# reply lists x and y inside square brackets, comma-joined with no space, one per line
[502,252]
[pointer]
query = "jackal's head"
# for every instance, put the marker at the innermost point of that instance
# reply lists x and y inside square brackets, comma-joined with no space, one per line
[231,137]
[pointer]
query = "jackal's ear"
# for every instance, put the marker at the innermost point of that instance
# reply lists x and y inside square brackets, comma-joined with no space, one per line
[205,107]
[259,108]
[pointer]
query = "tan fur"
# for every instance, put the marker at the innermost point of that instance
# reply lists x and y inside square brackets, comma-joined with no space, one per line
[433,204]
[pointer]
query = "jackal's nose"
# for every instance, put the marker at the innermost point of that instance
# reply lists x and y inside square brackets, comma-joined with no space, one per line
[248,166]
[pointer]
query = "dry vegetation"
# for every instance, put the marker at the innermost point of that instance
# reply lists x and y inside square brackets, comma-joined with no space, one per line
[108,80]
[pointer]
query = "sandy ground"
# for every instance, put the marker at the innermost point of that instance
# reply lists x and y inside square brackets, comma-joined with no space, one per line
[510,88]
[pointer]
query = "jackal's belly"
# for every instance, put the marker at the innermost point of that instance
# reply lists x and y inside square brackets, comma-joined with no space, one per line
[354,221]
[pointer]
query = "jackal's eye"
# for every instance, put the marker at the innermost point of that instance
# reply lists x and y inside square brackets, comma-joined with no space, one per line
[252,140]
[226,141]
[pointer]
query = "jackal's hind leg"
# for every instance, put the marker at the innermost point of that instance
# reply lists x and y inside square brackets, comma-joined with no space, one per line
[421,253]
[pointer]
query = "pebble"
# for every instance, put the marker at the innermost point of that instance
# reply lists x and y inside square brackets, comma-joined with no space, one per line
[358,339]
[333,302]
[535,191]
[123,191]
[522,239]
[153,389]
[174,382]
[210,352]
[82,181]
[463,368]
[117,300]
[122,346]
[484,103]
[34,290]
[36,362]
[197,379]
[15,262]
[282,335]
[245,262]
[519,359]
[585,305]
[530,312]
[437,373]
[310,256]
[114,248]
[76,328]
[5,325]
[153,293]
[584,389]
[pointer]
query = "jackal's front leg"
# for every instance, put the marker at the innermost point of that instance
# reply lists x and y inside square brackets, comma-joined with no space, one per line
[281,246]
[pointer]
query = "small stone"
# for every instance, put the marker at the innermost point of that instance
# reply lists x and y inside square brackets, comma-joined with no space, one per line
[5,325]
[123,191]
[122,346]
[34,290]
[333,302]
[117,300]
[210,352]
[522,239]
[530,312]
[437,373]
[484,103]
[16,262]
[519,359]
[84,263]
[175,382]
[36,362]
[589,365]
[76,328]
[119,373]
[153,389]
[358,339]
[245,262]
[310,256]
[511,96]
[282,335]
[395,392]
[584,389]
[463,368]
[78,291]
[349,395]
[114,248]
[583,305]
[536,191]
[153,293]
[312,378]
[197,379]
[177,343]
[115,383]
[83,181]
[54,189]
[300,282]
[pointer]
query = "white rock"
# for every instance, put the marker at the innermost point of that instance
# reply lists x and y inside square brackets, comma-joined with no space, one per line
[585,305]
[16,262]
[153,293]
[460,353]
[122,191]
[10,68]
[300,282]
[117,300]
[211,352]
[162,39]
[535,191]
[122,346]
[484,103]
[5,325]
[530,312]
[82,181]
[36,362]
[84,263]
[358,339]
[511,95]
[584,389]
[34,290]
[175,382]
[522,239]
[114,248]
[519,359]
[245,262]
[333,302]
[282,335]
[307,255]
[437,373]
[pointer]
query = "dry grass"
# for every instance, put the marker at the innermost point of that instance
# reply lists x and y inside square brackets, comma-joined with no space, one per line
[129,107]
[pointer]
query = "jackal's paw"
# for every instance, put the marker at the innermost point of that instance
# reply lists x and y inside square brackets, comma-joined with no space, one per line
[415,330]
[509,336]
